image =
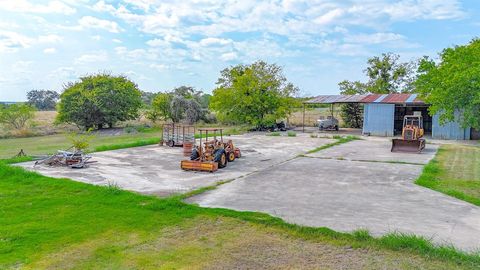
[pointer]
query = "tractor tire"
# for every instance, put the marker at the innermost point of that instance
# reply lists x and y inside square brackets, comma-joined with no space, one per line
[221,158]
[194,155]
[336,128]
[231,156]
[171,143]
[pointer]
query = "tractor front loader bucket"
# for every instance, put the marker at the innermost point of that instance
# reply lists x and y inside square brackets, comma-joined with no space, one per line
[409,146]
[195,165]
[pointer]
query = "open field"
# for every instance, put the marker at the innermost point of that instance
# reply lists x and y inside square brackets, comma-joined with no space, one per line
[61,224]
[456,172]
[103,140]
[42,145]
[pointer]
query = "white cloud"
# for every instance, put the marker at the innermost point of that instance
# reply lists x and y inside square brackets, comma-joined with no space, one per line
[12,41]
[50,39]
[211,41]
[24,6]
[96,37]
[96,23]
[159,67]
[101,56]
[229,56]
[116,40]
[49,50]
[375,38]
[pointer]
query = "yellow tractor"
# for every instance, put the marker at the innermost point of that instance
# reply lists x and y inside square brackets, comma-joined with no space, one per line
[412,136]
[211,154]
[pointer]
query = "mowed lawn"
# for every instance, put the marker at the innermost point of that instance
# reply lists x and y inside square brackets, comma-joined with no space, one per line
[48,223]
[455,171]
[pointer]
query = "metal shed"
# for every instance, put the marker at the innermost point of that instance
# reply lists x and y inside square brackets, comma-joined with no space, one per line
[383,114]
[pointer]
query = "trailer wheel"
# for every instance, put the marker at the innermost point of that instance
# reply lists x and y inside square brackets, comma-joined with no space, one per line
[171,143]
[231,156]
[221,158]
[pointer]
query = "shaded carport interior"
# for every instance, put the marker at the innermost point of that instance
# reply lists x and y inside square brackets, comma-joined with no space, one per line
[398,106]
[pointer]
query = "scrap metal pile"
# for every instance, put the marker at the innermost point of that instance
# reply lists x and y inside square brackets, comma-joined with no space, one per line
[74,159]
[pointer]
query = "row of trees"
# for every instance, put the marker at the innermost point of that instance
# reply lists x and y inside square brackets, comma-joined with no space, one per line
[259,94]
[256,94]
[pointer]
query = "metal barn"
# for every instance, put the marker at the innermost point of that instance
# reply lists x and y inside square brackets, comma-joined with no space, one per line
[383,115]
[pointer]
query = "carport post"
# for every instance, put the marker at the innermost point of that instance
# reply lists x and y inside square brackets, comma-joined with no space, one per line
[303,119]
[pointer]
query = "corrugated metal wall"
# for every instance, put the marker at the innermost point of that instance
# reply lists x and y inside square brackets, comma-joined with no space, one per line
[449,131]
[378,119]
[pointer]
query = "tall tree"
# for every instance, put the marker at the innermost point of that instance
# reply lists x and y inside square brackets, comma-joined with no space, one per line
[386,74]
[43,100]
[257,94]
[99,100]
[183,103]
[452,85]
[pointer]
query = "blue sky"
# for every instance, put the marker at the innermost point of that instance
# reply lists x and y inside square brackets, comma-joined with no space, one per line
[161,44]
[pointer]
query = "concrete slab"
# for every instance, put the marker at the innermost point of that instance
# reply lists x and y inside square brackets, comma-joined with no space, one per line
[156,170]
[348,195]
[375,150]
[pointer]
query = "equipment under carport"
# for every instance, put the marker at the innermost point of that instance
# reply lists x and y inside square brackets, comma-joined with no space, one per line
[412,136]
[211,155]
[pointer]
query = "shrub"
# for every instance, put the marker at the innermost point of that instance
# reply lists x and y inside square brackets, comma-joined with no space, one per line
[291,134]
[99,100]
[16,116]
[80,141]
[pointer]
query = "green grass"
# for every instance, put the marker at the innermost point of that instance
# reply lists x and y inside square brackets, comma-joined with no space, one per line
[455,171]
[47,222]
[126,145]
[50,144]
[291,134]
[274,134]
[340,140]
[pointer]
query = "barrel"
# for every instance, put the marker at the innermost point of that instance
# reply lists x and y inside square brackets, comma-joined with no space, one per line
[187,148]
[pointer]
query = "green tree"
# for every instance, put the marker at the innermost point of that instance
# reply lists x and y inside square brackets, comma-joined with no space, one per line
[352,113]
[387,75]
[257,94]
[452,84]
[99,100]
[16,116]
[43,100]
[160,107]
[183,103]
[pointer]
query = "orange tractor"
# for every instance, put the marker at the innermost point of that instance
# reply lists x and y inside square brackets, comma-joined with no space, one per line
[210,155]
[412,135]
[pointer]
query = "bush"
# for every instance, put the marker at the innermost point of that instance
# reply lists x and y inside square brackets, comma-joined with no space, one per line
[99,100]
[291,134]
[16,116]
[80,141]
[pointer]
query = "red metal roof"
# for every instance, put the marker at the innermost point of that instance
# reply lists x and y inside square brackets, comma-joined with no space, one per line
[369,98]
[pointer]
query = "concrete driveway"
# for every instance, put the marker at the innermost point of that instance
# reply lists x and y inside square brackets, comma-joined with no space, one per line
[346,195]
[156,170]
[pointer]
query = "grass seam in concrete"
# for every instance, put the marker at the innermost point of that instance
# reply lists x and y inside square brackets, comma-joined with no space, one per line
[340,140]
